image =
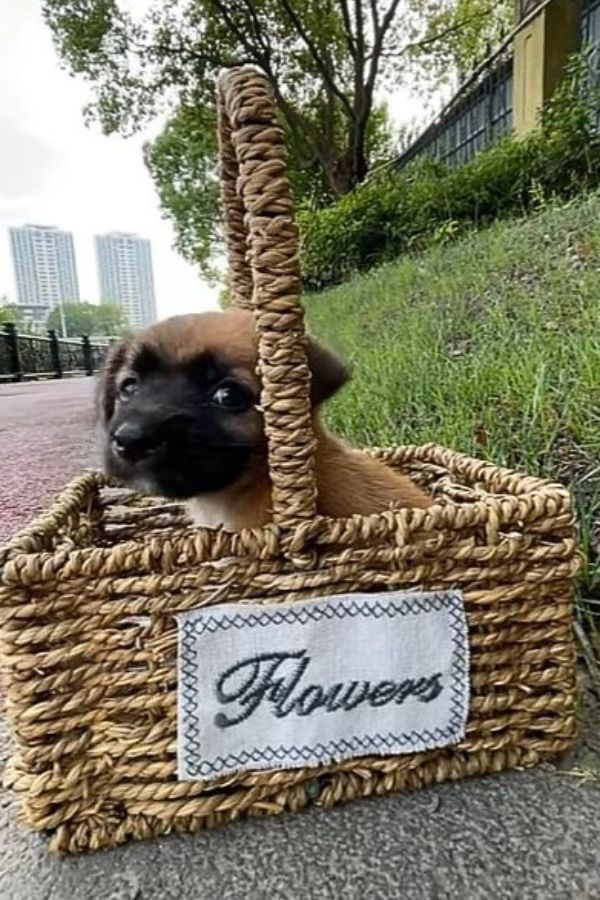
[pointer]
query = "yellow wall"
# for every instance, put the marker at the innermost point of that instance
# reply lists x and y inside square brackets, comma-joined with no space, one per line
[528,83]
[540,52]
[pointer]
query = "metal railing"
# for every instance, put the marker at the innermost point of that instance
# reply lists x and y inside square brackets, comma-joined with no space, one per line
[477,115]
[481,110]
[590,37]
[590,22]
[26,357]
[477,119]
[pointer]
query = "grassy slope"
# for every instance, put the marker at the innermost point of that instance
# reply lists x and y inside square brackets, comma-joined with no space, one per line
[490,345]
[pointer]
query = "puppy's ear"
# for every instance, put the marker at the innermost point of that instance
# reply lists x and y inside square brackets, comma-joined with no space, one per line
[329,372]
[107,388]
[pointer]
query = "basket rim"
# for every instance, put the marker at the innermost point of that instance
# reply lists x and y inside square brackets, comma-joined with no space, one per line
[24,560]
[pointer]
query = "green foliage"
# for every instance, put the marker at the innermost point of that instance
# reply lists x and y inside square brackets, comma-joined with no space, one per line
[428,202]
[469,29]
[111,319]
[78,318]
[9,313]
[225,299]
[106,319]
[326,60]
[490,345]
[183,164]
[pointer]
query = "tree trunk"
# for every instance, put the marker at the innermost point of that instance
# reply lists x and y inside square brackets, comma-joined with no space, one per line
[359,152]
[341,175]
[350,169]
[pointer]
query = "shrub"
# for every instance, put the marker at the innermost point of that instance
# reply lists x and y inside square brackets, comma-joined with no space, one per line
[428,202]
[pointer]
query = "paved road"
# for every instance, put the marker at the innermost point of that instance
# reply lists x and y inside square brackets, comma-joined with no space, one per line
[531,835]
[45,437]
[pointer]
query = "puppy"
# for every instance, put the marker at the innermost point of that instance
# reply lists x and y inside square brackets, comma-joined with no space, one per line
[179,409]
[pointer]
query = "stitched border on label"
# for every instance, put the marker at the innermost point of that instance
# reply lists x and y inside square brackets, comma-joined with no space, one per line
[318,753]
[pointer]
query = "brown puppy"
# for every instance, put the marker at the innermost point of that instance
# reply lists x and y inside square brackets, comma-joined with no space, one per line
[179,408]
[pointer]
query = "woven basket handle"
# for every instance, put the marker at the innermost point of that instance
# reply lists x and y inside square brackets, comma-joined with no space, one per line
[262,240]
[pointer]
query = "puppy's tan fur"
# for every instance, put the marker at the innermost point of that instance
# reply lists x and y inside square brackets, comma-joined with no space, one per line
[348,482]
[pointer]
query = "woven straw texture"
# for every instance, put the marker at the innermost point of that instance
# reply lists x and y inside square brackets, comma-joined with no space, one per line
[88,592]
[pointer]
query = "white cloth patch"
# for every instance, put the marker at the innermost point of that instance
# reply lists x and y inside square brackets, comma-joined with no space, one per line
[300,684]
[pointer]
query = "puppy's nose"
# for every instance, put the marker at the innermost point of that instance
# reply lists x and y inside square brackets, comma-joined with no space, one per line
[134,442]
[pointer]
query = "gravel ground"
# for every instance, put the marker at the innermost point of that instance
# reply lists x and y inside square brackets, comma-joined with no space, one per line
[45,438]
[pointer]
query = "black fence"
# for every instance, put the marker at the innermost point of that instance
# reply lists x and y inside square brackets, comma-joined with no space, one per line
[478,116]
[25,357]
[590,37]
[481,110]
[590,22]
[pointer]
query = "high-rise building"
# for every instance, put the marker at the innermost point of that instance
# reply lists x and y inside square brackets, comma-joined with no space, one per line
[45,269]
[125,273]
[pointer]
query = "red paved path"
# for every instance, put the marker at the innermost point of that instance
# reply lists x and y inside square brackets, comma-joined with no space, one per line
[46,436]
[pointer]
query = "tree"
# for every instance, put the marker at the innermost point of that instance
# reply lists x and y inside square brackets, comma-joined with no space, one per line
[182,161]
[111,319]
[9,312]
[107,319]
[471,29]
[326,61]
[78,318]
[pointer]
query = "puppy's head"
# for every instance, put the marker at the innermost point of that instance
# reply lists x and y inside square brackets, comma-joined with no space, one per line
[179,403]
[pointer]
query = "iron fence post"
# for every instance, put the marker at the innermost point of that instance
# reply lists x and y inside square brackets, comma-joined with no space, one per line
[88,359]
[55,353]
[491,88]
[12,339]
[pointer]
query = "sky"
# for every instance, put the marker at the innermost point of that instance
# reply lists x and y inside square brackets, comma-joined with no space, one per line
[55,170]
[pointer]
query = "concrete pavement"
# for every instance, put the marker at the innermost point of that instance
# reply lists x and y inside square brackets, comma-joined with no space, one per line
[531,835]
[518,836]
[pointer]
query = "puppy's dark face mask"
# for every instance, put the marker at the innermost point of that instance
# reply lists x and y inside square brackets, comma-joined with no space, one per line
[180,430]
[181,422]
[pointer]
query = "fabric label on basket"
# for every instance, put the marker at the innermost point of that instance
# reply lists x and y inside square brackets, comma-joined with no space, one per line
[320,681]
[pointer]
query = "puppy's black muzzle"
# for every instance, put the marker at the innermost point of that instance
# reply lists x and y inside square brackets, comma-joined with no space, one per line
[134,442]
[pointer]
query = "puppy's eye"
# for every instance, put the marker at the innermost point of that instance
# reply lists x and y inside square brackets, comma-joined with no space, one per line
[127,388]
[231,396]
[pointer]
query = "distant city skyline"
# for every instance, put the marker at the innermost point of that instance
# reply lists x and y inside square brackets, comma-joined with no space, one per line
[45,269]
[55,169]
[126,275]
[45,272]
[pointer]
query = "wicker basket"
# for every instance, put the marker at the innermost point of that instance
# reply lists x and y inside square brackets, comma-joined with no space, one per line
[89,591]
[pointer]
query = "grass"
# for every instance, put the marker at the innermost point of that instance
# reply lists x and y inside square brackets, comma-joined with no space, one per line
[490,345]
